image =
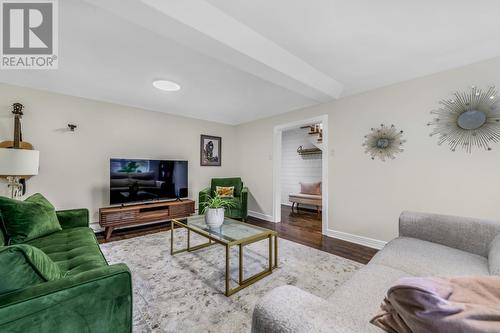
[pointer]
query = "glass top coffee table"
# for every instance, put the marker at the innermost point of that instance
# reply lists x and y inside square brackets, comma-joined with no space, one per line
[231,233]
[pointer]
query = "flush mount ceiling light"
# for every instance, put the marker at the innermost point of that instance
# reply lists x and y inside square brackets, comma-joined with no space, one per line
[166,85]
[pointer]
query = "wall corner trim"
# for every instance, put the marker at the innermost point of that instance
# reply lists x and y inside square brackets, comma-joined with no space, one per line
[361,240]
[261,216]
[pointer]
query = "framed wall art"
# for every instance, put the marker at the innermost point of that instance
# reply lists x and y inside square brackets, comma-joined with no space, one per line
[210,150]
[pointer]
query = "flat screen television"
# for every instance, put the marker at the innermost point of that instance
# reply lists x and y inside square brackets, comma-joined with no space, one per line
[133,180]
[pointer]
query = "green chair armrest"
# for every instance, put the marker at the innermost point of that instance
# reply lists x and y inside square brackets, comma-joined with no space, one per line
[73,218]
[244,202]
[202,197]
[98,300]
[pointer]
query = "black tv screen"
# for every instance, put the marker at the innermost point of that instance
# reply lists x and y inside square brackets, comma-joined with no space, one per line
[145,180]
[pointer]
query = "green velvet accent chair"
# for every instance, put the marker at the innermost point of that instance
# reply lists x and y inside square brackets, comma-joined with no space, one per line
[82,293]
[240,211]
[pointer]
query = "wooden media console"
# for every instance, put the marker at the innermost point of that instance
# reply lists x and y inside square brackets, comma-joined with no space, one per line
[116,217]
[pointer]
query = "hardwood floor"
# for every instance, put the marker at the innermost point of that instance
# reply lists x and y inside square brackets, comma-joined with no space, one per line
[303,227]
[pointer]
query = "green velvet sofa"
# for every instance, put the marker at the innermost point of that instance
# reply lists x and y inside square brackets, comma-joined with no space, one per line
[240,211]
[91,296]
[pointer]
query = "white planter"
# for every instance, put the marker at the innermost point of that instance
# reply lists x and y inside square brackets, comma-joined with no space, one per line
[214,217]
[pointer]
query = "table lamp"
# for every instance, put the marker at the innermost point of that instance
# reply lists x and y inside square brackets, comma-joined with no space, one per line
[16,164]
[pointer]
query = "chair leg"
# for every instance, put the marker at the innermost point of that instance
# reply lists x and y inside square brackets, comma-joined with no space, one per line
[297,207]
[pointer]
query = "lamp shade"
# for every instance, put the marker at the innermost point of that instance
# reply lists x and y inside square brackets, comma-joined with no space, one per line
[18,162]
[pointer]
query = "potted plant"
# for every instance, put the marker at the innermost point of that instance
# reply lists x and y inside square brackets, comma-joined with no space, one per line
[213,208]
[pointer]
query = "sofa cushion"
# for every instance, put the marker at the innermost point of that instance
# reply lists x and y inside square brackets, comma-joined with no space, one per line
[74,250]
[359,298]
[23,265]
[494,256]
[28,219]
[464,233]
[422,258]
[289,309]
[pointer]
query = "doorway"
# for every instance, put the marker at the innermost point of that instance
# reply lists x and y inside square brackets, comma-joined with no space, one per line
[312,152]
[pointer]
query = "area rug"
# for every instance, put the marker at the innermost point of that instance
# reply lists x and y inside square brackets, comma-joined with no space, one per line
[185,292]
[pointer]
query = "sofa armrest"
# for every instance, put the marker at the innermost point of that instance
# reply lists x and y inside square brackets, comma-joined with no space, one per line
[244,202]
[290,309]
[99,300]
[73,218]
[463,233]
[202,197]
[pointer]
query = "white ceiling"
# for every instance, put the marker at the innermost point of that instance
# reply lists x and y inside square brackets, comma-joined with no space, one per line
[368,44]
[240,60]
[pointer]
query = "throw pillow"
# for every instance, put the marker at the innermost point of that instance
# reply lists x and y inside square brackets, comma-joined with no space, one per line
[494,256]
[458,305]
[310,188]
[23,265]
[28,219]
[225,191]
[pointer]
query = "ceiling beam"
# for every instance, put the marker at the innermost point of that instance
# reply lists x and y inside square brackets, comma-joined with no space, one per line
[205,28]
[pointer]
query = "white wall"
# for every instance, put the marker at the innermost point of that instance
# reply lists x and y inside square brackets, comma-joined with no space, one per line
[74,167]
[297,168]
[365,196]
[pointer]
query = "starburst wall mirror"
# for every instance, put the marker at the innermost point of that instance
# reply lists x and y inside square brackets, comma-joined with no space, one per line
[384,142]
[470,119]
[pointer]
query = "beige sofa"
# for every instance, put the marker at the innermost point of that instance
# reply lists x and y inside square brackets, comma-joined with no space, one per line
[428,245]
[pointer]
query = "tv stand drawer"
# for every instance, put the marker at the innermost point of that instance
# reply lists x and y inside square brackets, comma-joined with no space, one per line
[182,209]
[156,215]
[118,218]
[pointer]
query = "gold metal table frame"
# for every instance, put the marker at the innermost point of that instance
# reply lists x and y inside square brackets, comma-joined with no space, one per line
[242,282]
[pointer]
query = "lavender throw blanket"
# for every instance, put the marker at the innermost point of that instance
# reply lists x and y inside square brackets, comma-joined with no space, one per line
[444,305]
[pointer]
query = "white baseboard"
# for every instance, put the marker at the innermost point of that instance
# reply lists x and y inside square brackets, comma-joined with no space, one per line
[261,216]
[361,240]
